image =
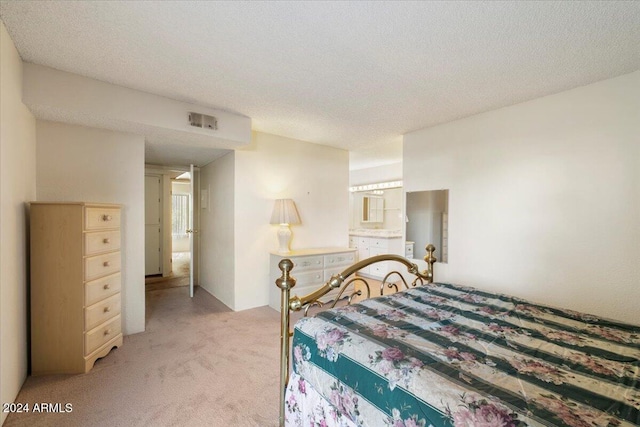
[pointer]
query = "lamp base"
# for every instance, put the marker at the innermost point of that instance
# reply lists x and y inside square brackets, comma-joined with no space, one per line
[284,237]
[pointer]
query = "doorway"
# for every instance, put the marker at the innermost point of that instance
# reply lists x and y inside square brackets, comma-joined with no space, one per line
[181,225]
[178,245]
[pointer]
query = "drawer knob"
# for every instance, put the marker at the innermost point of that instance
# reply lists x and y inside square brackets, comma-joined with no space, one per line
[107,217]
[107,286]
[106,263]
[106,240]
[107,309]
[107,331]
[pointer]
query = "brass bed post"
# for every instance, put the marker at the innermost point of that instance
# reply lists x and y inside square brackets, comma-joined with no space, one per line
[430,259]
[285,283]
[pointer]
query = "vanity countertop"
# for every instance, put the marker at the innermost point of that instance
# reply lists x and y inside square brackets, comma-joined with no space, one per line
[382,233]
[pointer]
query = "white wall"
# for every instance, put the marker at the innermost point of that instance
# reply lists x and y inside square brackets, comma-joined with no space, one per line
[385,173]
[544,198]
[393,209]
[76,163]
[17,186]
[180,187]
[64,96]
[316,177]
[217,256]
[242,188]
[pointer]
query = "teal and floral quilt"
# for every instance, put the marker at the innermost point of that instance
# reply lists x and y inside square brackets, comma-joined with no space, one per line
[445,355]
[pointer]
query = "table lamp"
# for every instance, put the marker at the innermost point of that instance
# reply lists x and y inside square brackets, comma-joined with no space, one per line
[284,214]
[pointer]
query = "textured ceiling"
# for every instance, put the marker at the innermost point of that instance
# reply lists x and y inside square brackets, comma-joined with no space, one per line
[346,74]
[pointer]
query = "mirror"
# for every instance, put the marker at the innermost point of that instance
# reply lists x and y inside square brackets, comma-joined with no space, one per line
[373,209]
[376,209]
[427,221]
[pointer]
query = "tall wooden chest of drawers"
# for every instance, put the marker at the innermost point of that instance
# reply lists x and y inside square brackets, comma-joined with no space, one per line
[75,285]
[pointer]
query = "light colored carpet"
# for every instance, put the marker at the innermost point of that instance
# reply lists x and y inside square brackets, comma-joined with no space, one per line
[197,364]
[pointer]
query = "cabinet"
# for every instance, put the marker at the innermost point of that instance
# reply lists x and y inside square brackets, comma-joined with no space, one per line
[372,209]
[408,249]
[361,245]
[75,285]
[311,269]
[372,246]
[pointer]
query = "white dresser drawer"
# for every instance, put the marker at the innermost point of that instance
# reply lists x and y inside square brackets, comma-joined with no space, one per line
[331,272]
[380,243]
[379,269]
[101,241]
[101,265]
[307,263]
[102,288]
[101,311]
[101,218]
[335,260]
[364,241]
[94,338]
[308,278]
[353,242]
[328,273]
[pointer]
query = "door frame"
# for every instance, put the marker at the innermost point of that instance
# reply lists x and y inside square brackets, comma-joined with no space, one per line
[167,173]
[160,220]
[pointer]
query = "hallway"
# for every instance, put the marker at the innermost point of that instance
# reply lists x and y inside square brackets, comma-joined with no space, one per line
[178,277]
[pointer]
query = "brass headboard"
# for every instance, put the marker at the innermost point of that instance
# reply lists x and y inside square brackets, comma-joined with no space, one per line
[286,282]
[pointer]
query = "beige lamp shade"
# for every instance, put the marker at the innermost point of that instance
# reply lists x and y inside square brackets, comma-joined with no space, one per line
[285,212]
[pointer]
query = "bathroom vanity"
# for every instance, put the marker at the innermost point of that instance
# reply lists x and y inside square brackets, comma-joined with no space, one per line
[369,243]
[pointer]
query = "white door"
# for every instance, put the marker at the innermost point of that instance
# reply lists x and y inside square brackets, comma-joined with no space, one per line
[152,223]
[193,230]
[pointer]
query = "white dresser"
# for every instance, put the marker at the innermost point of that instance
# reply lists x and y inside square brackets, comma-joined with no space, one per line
[311,269]
[75,285]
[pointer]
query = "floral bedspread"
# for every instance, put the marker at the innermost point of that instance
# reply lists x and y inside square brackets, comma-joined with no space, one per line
[444,355]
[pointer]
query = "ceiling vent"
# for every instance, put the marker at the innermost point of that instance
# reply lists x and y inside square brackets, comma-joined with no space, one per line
[203,121]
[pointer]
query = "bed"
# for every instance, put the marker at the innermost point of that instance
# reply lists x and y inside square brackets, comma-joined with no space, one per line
[437,354]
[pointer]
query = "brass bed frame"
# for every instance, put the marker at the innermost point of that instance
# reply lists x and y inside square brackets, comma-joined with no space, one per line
[342,282]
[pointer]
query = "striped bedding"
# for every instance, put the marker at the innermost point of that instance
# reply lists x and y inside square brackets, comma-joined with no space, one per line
[445,355]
